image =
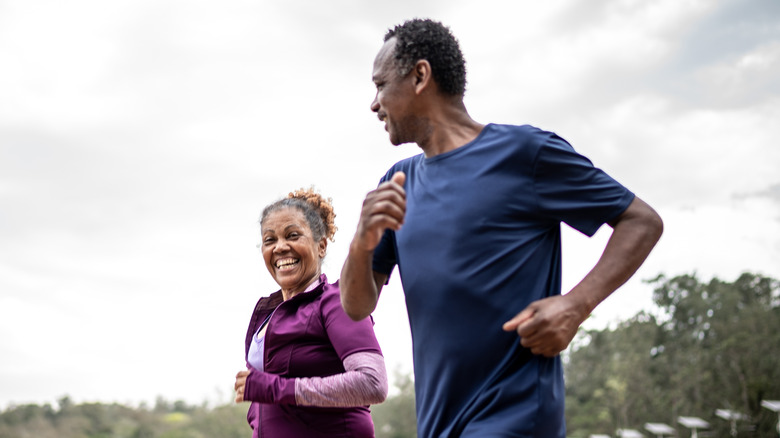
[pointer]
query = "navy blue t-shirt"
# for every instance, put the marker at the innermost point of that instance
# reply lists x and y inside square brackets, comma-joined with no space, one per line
[481,241]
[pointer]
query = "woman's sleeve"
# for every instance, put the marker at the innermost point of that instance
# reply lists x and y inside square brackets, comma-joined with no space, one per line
[363,383]
[270,388]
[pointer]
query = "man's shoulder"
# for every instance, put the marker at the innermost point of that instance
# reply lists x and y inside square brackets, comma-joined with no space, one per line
[410,161]
[527,139]
[404,165]
[528,131]
[511,144]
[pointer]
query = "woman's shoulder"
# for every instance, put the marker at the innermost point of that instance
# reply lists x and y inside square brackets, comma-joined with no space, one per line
[330,301]
[270,301]
[330,292]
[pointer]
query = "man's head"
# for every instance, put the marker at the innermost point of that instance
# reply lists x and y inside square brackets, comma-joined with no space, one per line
[419,67]
[430,40]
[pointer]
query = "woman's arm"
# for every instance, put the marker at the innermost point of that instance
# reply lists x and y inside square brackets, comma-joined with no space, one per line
[363,383]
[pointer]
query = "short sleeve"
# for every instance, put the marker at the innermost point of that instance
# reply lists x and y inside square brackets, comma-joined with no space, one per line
[346,336]
[385,254]
[570,189]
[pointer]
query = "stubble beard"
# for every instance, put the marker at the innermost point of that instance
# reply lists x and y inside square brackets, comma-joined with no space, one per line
[411,129]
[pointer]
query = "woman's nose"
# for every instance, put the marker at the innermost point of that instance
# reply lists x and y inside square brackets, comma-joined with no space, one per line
[281,246]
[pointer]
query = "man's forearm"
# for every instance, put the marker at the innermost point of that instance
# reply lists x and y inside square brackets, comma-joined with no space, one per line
[634,235]
[359,291]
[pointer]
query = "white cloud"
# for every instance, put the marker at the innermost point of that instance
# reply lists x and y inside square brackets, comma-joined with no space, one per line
[748,76]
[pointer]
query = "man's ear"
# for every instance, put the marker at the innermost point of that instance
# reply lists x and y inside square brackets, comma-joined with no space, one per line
[422,75]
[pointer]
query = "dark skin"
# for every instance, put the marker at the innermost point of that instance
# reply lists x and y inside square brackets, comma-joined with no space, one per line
[415,110]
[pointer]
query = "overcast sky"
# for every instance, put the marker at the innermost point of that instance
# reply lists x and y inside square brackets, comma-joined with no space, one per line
[139,141]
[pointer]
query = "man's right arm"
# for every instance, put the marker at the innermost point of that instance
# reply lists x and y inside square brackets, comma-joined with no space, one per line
[383,208]
[360,285]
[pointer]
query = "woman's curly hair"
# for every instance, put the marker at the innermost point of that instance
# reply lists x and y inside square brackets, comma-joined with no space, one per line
[430,40]
[317,210]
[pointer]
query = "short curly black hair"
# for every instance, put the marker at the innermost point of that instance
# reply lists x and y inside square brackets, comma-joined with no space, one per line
[430,40]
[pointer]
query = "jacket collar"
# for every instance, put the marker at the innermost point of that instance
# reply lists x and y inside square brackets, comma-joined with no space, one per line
[276,298]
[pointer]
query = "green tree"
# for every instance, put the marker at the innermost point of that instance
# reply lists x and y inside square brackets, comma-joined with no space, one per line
[228,421]
[730,334]
[396,417]
[610,378]
[98,420]
[713,346]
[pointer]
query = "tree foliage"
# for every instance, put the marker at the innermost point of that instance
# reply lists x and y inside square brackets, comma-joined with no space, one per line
[713,346]
[396,417]
[98,420]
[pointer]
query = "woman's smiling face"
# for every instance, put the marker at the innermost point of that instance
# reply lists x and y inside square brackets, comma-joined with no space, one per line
[291,253]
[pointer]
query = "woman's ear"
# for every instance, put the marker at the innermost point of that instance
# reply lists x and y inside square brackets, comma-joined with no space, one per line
[323,247]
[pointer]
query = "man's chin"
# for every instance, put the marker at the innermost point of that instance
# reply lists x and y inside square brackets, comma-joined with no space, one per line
[397,141]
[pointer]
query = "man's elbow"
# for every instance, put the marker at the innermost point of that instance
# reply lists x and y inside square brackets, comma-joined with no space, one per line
[356,313]
[654,226]
[644,219]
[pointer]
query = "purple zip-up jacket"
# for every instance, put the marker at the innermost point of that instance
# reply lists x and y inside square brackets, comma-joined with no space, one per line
[309,335]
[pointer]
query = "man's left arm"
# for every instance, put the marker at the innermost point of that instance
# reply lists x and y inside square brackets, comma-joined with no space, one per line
[547,326]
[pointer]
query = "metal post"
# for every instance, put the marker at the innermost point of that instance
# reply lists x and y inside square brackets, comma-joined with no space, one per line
[693,423]
[773,405]
[732,417]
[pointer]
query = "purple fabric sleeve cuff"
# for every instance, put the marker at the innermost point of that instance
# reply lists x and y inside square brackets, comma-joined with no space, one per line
[269,388]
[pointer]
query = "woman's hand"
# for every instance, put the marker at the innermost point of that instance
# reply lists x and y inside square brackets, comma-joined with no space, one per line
[241,384]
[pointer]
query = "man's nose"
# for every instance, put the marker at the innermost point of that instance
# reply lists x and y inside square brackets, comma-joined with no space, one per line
[375,104]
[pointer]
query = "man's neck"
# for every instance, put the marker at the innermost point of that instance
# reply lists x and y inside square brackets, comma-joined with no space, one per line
[449,132]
